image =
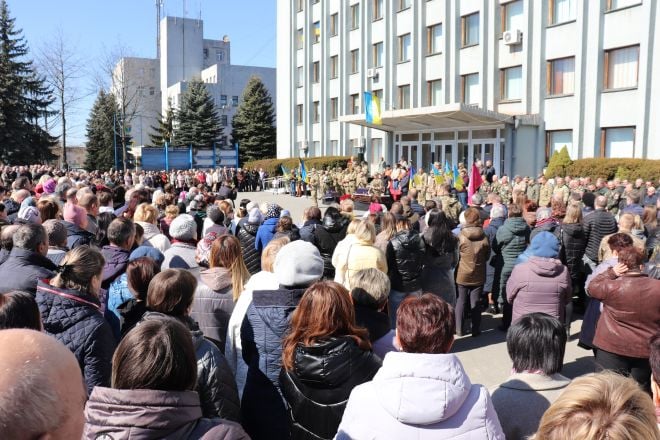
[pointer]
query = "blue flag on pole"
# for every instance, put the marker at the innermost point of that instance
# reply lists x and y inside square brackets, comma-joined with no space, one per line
[303,171]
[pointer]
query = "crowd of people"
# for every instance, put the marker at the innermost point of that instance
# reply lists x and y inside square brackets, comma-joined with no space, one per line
[163,305]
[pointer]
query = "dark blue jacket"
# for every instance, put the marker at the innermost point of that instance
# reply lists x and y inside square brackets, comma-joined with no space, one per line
[76,236]
[74,318]
[264,326]
[307,230]
[23,269]
[265,233]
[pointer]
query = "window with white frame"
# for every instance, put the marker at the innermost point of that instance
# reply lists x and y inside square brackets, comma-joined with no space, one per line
[561,11]
[334,24]
[355,104]
[470,29]
[404,4]
[377,60]
[355,16]
[316,28]
[470,89]
[300,76]
[561,76]
[618,142]
[621,68]
[618,4]
[300,38]
[299,114]
[334,66]
[316,72]
[376,149]
[334,148]
[511,83]
[434,39]
[377,10]
[558,139]
[513,15]
[317,112]
[404,96]
[404,48]
[355,60]
[434,92]
[334,109]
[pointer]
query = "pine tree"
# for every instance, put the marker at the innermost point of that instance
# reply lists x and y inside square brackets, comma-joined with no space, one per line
[100,129]
[559,163]
[199,124]
[253,125]
[24,100]
[164,132]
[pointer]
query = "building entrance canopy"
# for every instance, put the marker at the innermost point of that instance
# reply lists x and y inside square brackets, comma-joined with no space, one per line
[449,117]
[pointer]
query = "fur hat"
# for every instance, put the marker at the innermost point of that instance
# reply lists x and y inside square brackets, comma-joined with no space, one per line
[183,227]
[298,263]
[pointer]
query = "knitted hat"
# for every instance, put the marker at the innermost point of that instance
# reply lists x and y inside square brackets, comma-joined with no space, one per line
[49,186]
[285,213]
[147,251]
[56,232]
[255,216]
[183,227]
[74,214]
[298,264]
[544,244]
[273,211]
[204,247]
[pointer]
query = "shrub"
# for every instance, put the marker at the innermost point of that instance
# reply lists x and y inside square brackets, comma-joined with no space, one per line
[617,167]
[272,166]
[559,163]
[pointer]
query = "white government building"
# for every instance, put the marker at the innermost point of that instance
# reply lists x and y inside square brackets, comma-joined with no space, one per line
[509,81]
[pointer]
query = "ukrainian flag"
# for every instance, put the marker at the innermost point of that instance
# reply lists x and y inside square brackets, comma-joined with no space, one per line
[285,172]
[372,109]
[458,179]
[303,171]
[438,175]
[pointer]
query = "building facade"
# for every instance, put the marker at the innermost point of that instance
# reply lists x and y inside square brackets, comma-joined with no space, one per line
[505,80]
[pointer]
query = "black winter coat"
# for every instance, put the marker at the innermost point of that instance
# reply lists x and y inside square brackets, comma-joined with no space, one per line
[405,257]
[23,269]
[76,236]
[247,234]
[597,225]
[74,318]
[573,243]
[326,238]
[318,387]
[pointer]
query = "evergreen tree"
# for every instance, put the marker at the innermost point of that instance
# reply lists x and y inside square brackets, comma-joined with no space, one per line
[559,163]
[100,131]
[199,124]
[24,100]
[165,130]
[253,125]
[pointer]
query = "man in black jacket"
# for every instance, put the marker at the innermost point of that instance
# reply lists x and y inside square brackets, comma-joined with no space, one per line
[597,225]
[27,262]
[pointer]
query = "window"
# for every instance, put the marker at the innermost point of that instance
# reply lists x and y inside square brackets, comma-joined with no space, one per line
[621,68]
[299,114]
[234,101]
[434,92]
[355,61]
[355,16]
[379,94]
[334,25]
[560,79]
[404,96]
[470,30]
[377,11]
[377,55]
[470,88]
[404,48]
[223,120]
[512,16]
[334,148]
[317,112]
[561,11]
[618,4]
[404,4]
[300,39]
[152,91]
[316,72]
[355,104]
[556,140]
[617,142]
[334,109]
[317,32]
[300,76]
[223,100]
[220,55]
[334,67]
[376,149]
[434,39]
[299,5]
[511,83]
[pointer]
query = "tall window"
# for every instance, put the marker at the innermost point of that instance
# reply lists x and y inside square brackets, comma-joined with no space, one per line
[560,78]
[618,4]
[334,148]
[334,109]
[317,112]
[434,92]
[377,11]
[404,4]
[299,114]
[511,83]
[355,104]
[234,101]
[470,88]
[404,48]
[224,120]
[299,5]
[334,67]
[404,96]
[300,39]
[223,100]
[317,32]
[617,142]
[561,11]
[470,29]
[377,55]
[355,16]
[621,67]
[355,60]
[512,15]
[299,76]
[316,72]
[556,140]
[434,39]
[334,24]
[379,94]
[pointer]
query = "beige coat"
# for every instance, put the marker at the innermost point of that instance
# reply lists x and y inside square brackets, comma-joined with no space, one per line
[356,256]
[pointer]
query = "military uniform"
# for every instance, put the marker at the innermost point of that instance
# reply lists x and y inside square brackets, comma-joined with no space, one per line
[314,187]
[545,195]
[505,192]
[564,191]
[451,207]
[613,200]
[419,183]
[376,187]
[533,192]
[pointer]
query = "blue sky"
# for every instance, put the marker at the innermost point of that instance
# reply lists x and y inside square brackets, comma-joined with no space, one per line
[93,26]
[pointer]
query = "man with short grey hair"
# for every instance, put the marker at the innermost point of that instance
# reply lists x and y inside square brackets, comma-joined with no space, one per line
[597,225]
[27,262]
[41,389]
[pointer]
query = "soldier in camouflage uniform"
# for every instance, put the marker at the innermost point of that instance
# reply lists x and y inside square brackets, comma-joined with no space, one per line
[325,182]
[313,186]
[613,198]
[419,183]
[362,181]
[505,190]
[534,191]
[450,205]
[376,187]
[545,192]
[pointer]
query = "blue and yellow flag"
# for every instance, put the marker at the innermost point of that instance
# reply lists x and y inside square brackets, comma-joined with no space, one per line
[285,171]
[412,175]
[303,171]
[372,109]
[447,170]
[458,179]
[437,175]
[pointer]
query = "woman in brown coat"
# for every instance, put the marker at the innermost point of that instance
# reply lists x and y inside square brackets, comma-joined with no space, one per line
[474,251]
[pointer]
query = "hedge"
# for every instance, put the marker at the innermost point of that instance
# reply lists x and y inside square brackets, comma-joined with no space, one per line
[272,166]
[620,167]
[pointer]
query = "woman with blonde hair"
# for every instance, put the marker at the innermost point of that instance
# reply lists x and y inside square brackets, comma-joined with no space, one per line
[325,355]
[146,215]
[219,288]
[171,212]
[71,312]
[602,406]
[360,253]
